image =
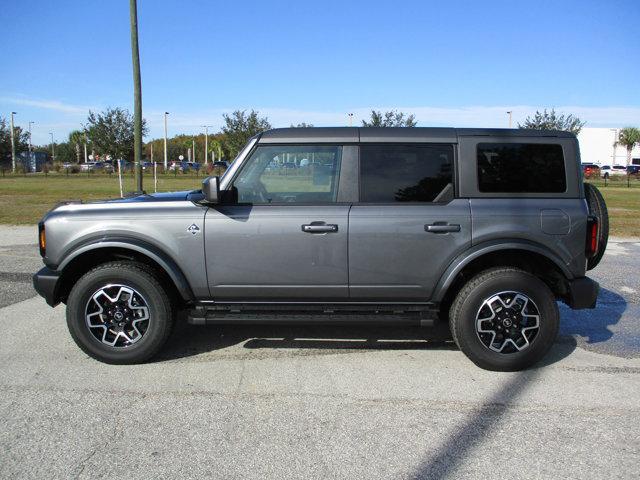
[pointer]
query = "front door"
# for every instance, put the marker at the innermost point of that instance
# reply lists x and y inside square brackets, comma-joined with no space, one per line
[286,239]
[408,225]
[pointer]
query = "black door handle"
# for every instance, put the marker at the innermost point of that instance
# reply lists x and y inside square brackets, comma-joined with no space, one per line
[316,227]
[441,228]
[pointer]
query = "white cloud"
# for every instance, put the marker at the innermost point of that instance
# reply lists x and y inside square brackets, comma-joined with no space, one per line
[46,104]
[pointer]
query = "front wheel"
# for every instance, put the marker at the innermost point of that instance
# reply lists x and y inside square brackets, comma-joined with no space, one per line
[119,313]
[504,319]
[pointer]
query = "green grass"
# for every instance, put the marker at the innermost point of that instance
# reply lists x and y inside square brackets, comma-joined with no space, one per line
[624,207]
[25,199]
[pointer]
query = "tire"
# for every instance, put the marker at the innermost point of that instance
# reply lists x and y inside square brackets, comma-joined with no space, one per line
[507,283]
[598,208]
[133,294]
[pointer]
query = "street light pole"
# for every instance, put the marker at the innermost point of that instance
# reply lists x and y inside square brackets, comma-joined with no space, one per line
[13,146]
[206,143]
[193,143]
[85,147]
[165,140]
[53,148]
[510,113]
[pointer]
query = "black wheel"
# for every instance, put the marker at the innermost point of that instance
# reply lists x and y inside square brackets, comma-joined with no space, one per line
[119,313]
[597,207]
[504,319]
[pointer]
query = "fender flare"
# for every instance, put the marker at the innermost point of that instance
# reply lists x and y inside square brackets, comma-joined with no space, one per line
[477,251]
[147,249]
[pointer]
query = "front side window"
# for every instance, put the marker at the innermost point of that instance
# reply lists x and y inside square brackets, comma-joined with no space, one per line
[290,174]
[521,168]
[406,173]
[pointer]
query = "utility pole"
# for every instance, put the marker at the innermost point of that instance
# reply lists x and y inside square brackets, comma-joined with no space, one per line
[137,95]
[85,147]
[13,145]
[350,119]
[165,140]
[193,143]
[206,143]
[53,148]
[33,166]
[510,113]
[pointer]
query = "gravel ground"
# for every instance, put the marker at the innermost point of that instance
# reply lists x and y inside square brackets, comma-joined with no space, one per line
[303,402]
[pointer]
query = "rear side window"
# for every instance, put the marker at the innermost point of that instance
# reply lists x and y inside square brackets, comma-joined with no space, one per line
[521,168]
[406,173]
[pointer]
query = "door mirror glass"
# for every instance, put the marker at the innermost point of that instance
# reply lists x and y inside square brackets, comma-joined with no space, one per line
[211,189]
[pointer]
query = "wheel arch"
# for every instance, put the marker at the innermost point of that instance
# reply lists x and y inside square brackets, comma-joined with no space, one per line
[529,256]
[88,256]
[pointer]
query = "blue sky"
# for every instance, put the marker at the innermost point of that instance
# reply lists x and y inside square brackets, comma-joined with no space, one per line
[458,63]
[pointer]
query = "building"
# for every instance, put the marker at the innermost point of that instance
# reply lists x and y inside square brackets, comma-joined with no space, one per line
[597,146]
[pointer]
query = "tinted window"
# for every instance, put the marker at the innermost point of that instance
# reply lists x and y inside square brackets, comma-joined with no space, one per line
[406,173]
[292,174]
[520,167]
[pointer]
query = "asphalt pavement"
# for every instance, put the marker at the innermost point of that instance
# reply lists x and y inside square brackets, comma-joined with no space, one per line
[318,402]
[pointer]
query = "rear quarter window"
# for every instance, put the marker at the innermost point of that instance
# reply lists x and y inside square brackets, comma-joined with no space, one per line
[521,168]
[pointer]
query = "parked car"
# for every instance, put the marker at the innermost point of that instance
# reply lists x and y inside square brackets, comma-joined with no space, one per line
[633,170]
[221,164]
[385,234]
[590,170]
[607,171]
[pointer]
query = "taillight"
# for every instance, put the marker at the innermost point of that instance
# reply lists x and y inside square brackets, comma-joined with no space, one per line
[592,237]
[42,239]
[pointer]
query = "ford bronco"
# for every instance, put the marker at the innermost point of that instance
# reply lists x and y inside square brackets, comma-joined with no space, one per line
[484,229]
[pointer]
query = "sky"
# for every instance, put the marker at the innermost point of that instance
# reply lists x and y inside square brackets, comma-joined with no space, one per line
[460,64]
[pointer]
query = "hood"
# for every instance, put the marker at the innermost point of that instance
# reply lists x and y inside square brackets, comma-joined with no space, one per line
[156,197]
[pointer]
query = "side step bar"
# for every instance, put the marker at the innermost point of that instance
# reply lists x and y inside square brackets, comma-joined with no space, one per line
[336,314]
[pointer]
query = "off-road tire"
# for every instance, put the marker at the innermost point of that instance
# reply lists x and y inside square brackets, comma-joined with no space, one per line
[598,208]
[465,308]
[143,279]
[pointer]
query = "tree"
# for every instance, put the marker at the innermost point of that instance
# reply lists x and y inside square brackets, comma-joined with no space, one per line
[552,121]
[77,138]
[628,138]
[111,132]
[391,118]
[21,140]
[240,127]
[302,125]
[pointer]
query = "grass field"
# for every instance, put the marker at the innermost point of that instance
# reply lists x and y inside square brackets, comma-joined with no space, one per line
[24,199]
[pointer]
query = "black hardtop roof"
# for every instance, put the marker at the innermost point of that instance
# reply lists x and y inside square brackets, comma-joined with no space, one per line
[394,134]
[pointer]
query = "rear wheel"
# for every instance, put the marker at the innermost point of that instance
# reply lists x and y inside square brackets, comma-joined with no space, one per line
[597,208]
[504,319]
[119,313]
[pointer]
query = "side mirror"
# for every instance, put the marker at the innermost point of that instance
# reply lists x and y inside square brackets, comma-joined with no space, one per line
[211,189]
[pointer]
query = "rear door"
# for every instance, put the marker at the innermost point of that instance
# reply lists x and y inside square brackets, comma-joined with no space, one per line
[408,226]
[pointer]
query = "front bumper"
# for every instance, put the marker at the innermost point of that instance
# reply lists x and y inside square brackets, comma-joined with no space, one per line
[46,284]
[582,293]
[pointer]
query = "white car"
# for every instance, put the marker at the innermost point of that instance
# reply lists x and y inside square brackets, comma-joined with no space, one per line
[607,171]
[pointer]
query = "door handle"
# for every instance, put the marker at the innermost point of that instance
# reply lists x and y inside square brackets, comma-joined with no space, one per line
[441,228]
[317,227]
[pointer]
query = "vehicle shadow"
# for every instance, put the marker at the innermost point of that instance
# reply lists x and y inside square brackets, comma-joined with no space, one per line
[593,325]
[188,340]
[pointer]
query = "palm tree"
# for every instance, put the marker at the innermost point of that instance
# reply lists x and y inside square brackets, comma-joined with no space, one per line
[76,138]
[629,137]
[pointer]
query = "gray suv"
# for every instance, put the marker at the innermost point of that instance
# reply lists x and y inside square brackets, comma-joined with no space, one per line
[484,229]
